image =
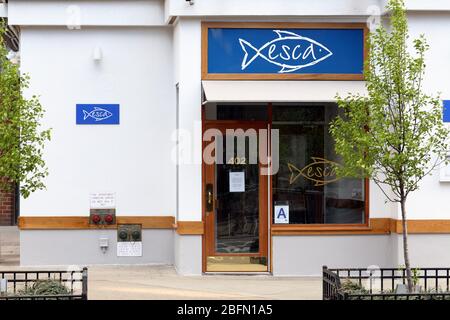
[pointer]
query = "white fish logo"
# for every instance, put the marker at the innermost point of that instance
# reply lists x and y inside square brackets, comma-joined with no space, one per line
[289,51]
[98,114]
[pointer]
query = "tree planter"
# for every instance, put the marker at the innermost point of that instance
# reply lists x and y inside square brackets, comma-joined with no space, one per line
[384,284]
[43,285]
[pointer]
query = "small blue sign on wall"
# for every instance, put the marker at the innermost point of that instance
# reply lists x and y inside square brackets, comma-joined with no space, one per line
[446,111]
[98,114]
[279,51]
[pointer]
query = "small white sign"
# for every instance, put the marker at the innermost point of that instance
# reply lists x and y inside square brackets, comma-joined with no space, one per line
[129,249]
[237,181]
[282,214]
[103,200]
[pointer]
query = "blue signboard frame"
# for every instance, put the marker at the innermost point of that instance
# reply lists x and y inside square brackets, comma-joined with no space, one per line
[446,110]
[265,51]
[97,114]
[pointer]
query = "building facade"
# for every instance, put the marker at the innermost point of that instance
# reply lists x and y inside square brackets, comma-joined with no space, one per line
[7,208]
[196,134]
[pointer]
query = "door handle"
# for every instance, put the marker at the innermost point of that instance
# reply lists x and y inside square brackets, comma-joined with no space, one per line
[209,197]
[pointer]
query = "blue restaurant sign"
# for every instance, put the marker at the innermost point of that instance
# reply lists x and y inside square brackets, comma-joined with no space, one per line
[282,51]
[98,114]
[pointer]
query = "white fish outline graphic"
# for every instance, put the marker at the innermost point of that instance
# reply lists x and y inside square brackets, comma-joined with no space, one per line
[282,35]
[92,114]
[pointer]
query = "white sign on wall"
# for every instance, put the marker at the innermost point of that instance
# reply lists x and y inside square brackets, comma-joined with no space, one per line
[281,213]
[237,181]
[102,200]
[129,249]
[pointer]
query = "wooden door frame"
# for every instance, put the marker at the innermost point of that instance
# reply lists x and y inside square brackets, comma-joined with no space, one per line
[208,235]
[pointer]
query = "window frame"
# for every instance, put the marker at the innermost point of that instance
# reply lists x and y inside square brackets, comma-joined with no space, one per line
[305,229]
[317,228]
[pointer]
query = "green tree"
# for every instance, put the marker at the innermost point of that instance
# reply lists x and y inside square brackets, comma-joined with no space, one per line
[394,135]
[21,138]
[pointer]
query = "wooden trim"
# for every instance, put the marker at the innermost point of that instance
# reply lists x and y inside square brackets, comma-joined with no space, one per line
[376,226]
[274,25]
[367,202]
[283,25]
[204,53]
[422,226]
[270,183]
[283,76]
[208,173]
[190,227]
[78,222]
[204,175]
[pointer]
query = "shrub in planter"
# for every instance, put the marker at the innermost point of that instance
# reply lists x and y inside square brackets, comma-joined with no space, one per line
[45,288]
[351,287]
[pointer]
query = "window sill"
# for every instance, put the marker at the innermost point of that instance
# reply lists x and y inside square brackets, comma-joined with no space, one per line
[376,226]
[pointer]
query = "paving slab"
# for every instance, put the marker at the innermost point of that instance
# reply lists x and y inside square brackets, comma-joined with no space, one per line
[9,246]
[162,282]
[150,282]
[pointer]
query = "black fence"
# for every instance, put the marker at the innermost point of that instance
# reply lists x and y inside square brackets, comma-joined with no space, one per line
[17,283]
[383,284]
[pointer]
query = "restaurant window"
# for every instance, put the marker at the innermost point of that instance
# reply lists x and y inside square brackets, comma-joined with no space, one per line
[306,182]
[236,111]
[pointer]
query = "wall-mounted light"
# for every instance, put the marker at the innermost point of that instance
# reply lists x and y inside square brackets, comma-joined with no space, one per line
[191,2]
[97,54]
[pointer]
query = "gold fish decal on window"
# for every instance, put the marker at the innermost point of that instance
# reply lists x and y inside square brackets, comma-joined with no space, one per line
[321,171]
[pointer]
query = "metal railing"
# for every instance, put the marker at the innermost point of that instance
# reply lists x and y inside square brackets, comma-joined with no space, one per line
[381,284]
[17,283]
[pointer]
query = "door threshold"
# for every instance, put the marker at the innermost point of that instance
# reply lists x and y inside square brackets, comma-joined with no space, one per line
[237,273]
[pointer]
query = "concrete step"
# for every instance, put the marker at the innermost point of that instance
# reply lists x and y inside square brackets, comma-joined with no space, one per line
[9,243]
[11,260]
[9,246]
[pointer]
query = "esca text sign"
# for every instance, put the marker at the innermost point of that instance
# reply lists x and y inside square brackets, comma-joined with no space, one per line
[282,51]
[98,114]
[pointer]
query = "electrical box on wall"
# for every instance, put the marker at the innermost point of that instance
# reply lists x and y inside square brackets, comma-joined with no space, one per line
[129,240]
[102,217]
[129,232]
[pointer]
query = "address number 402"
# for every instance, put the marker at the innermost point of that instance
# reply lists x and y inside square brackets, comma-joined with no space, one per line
[237,160]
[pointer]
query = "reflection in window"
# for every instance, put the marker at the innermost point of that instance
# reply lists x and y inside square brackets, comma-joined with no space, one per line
[236,112]
[306,180]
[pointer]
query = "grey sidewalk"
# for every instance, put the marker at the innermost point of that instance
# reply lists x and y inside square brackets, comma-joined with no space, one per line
[9,246]
[133,282]
[162,282]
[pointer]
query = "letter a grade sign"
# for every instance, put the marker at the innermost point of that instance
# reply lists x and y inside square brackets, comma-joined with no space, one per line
[281,214]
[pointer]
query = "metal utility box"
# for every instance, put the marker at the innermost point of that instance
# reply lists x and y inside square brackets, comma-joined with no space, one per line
[102,216]
[129,233]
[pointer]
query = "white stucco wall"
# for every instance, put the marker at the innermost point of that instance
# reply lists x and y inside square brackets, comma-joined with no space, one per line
[187,56]
[143,60]
[89,13]
[431,201]
[131,159]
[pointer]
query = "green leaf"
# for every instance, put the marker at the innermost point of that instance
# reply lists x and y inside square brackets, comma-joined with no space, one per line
[21,138]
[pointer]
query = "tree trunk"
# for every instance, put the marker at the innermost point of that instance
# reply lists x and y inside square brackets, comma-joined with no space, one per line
[405,247]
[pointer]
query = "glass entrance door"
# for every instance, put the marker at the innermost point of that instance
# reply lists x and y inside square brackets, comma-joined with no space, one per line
[236,200]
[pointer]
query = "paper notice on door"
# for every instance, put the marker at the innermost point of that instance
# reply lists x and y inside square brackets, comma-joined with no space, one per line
[237,181]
